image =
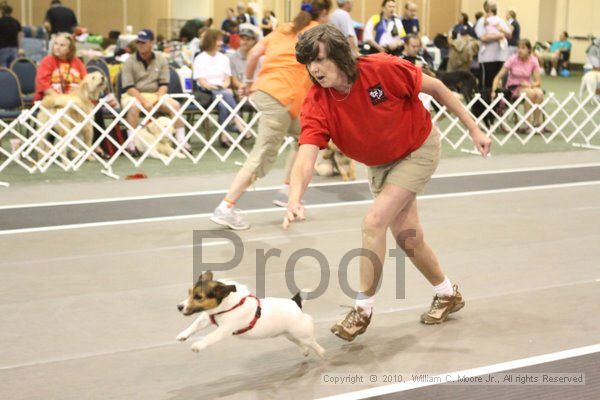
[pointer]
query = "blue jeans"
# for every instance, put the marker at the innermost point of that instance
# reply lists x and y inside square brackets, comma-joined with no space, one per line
[227,98]
[7,56]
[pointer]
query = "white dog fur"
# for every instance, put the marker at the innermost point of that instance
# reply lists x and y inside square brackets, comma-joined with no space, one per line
[590,83]
[278,317]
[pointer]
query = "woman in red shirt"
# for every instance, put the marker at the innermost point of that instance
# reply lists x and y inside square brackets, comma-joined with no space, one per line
[61,71]
[369,107]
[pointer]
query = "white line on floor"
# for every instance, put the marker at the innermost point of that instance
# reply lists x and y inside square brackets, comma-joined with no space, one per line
[279,209]
[267,188]
[168,195]
[453,376]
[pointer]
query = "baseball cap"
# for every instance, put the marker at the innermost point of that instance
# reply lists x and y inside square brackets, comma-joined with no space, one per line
[145,35]
[248,33]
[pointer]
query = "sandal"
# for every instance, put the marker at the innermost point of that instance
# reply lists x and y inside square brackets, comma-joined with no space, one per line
[225,142]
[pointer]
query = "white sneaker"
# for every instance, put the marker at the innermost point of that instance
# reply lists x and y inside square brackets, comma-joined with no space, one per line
[553,72]
[231,219]
[281,199]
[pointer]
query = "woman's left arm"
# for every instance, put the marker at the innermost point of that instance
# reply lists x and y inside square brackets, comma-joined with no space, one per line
[536,82]
[444,96]
[227,82]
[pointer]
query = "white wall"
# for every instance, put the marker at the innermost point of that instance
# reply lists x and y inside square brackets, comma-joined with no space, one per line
[190,9]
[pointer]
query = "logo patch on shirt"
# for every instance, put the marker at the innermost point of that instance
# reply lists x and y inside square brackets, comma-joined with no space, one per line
[376,95]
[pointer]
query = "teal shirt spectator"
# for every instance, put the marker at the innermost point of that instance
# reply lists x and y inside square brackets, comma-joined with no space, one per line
[560,44]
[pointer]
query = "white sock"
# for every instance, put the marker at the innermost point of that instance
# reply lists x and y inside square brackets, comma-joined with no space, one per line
[131,145]
[366,303]
[444,288]
[225,206]
[285,188]
[180,134]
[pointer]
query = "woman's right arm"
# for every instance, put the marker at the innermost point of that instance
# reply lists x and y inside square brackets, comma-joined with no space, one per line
[497,80]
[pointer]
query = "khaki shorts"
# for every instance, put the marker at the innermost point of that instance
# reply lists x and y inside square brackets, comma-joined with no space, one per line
[126,99]
[275,123]
[411,172]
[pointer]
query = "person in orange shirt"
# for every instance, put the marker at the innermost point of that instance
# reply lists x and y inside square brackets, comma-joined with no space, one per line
[278,93]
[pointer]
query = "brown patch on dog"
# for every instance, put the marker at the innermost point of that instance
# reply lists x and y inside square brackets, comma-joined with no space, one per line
[206,294]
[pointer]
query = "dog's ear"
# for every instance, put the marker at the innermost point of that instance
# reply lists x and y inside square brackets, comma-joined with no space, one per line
[222,291]
[206,276]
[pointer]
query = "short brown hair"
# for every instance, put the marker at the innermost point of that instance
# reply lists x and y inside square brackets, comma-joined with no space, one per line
[72,47]
[209,40]
[336,45]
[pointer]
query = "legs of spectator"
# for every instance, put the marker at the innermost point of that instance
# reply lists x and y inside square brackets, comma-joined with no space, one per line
[133,119]
[171,107]
[554,58]
[229,98]
[536,96]
[489,71]
[99,120]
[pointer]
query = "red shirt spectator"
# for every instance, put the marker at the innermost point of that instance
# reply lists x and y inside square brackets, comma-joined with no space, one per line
[61,71]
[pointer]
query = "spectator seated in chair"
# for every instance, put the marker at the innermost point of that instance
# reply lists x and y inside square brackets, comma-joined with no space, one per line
[523,77]
[145,78]
[212,72]
[557,56]
[60,73]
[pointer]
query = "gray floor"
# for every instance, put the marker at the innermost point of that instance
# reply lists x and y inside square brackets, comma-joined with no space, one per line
[193,204]
[90,313]
[588,365]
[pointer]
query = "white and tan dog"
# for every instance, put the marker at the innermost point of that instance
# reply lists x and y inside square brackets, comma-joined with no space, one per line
[83,98]
[147,136]
[237,312]
[590,83]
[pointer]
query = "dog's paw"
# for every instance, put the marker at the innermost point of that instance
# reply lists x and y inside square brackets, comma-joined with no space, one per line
[183,336]
[198,347]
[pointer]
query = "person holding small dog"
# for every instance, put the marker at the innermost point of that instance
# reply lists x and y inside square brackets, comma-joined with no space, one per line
[369,107]
[145,79]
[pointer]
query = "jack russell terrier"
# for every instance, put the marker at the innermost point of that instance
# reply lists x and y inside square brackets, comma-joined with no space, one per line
[235,311]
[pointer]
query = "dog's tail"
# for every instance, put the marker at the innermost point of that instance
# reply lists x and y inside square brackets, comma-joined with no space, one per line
[299,299]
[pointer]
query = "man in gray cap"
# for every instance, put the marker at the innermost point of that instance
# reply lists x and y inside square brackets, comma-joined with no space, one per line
[145,79]
[239,59]
[342,20]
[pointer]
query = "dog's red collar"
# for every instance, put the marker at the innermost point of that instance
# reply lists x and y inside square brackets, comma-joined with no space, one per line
[252,323]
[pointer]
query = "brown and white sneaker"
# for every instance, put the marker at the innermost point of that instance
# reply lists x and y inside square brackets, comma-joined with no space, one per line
[442,306]
[355,323]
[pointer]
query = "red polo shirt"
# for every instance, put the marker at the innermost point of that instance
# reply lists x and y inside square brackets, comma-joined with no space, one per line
[381,119]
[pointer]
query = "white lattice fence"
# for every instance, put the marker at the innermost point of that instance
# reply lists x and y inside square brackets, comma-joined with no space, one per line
[570,120]
[38,143]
